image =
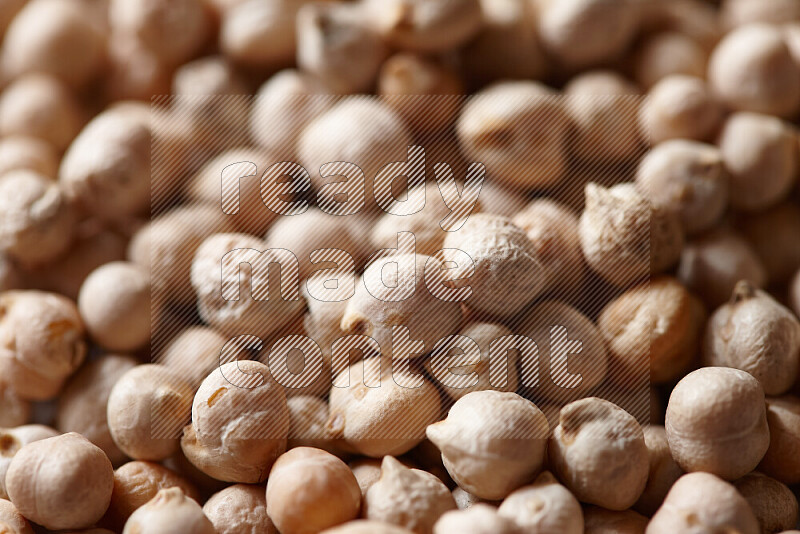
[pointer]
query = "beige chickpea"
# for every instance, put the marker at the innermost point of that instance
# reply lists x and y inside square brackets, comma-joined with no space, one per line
[775,236]
[603,108]
[42,107]
[174,30]
[663,470]
[794,294]
[250,314]
[483,454]
[702,502]
[239,508]
[308,416]
[11,521]
[14,411]
[406,497]
[658,324]
[168,508]
[601,521]
[309,490]
[716,422]
[780,461]
[544,506]
[518,130]
[135,71]
[760,153]
[41,335]
[751,69]
[82,403]
[583,33]
[61,482]
[115,305]
[240,423]
[772,502]
[624,237]
[687,178]
[22,152]
[195,353]
[106,169]
[478,519]
[367,472]
[598,451]
[54,37]
[694,18]
[283,107]
[668,54]
[365,526]
[388,419]
[679,107]
[36,221]
[12,440]
[336,44]
[147,407]
[755,333]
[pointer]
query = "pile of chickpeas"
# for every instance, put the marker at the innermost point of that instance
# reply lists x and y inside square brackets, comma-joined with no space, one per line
[639,205]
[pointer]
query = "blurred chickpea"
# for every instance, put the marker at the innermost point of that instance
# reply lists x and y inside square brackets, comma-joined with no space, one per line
[20,152]
[194,353]
[663,470]
[478,519]
[735,13]
[695,18]
[500,200]
[773,504]
[544,506]
[11,521]
[135,71]
[668,54]
[168,508]
[11,442]
[239,508]
[780,461]
[678,107]
[774,234]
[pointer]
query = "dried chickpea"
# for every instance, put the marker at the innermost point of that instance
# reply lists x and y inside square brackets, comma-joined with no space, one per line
[194,353]
[406,497]
[760,153]
[147,407]
[544,506]
[702,502]
[240,423]
[12,440]
[106,169]
[663,470]
[114,302]
[82,403]
[774,234]
[780,461]
[679,107]
[755,333]
[168,508]
[598,451]
[11,521]
[36,221]
[751,69]
[518,130]
[54,37]
[668,54]
[20,152]
[601,521]
[309,490]
[712,264]
[386,420]
[41,335]
[658,324]
[716,422]
[61,482]
[624,237]
[239,509]
[14,411]
[687,178]
[487,456]
[365,526]
[478,519]
[773,503]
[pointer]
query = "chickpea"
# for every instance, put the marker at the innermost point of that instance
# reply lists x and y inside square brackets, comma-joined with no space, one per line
[518,130]
[694,18]
[54,37]
[480,454]
[82,403]
[168,508]
[309,490]
[240,423]
[135,71]
[12,440]
[364,526]
[367,472]
[42,341]
[712,264]
[106,169]
[600,521]
[14,411]
[663,470]
[756,334]
[773,503]
[308,416]
[760,153]
[624,237]
[735,13]
[668,54]
[385,420]
[544,506]
[775,236]
[336,44]
[501,200]
[478,519]
[783,418]
[716,422]
[658,322]
[70,488]
[11,521]
[751,69]
[239,508]
[36,221]
[195,353]
[702,502]
[147,407]
[598,441]
[603,108]
[680,107]
[322,319]
[21,152]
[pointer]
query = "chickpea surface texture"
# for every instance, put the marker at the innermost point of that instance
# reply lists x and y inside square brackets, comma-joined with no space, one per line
[239,509]
[168,508]
[544,506]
